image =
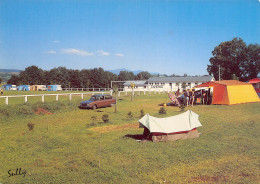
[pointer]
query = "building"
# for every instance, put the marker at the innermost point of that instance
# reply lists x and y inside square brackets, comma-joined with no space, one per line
[54,88]
[175,83]
[138,85]
[167,83]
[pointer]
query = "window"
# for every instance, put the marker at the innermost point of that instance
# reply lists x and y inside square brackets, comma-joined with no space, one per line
[177,84]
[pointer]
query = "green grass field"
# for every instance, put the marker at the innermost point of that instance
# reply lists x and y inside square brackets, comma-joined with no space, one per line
[65,146]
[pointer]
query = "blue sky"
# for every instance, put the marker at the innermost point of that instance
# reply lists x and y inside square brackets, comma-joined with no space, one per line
[171,37]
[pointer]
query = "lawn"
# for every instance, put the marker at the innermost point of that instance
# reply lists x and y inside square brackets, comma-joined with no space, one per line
[67,146]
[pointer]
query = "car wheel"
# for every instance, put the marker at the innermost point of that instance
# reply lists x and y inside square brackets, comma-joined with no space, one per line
[94,107]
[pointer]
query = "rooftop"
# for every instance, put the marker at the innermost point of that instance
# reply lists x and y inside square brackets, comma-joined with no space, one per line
[204,78]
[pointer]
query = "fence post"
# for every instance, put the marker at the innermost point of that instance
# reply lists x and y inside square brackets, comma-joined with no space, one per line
[57,97]
[82,89]
[6,100]
[139,93]
[119,93]
[42,98]
[82,95]
[25,99]
[125,93]
[144,92]
[70,97]
[111,92]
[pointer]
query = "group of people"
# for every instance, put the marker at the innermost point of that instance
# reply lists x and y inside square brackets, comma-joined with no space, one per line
[192,97]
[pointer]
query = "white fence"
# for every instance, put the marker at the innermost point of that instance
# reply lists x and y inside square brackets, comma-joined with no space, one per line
[57,96]
[86,89]
[120,93]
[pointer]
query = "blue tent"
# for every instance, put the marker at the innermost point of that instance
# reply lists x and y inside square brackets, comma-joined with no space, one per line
[23,88]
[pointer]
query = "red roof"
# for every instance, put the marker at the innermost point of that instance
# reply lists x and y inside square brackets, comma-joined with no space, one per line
[255,80]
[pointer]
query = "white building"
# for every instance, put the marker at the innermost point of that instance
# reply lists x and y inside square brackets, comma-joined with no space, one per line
[138,85]
[175,83]
[167,83]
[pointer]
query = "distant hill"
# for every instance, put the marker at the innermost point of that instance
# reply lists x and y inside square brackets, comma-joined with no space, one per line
[9,70]
[117,71]
[5,74]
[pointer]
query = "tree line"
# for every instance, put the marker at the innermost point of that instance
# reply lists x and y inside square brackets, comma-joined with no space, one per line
[69,78]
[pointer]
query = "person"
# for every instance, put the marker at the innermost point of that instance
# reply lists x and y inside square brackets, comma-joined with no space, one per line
[2,91]
[192,96]
[186,97]
[204,98]
[177,93]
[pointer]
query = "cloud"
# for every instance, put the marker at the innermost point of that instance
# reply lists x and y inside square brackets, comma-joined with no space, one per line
[103,53]
[119,55]
[76,52]
[56,41]
[51,52]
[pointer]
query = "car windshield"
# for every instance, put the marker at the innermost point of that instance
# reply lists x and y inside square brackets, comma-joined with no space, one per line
[94,98]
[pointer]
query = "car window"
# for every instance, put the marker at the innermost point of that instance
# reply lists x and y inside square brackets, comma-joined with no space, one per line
[108,97]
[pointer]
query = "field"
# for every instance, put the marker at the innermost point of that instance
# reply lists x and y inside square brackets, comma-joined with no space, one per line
[69,145]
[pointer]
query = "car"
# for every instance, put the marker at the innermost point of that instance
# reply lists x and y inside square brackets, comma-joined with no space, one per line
[98,101]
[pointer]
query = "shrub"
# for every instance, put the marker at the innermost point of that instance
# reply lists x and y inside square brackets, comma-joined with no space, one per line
[93,118]
[130,115]
[141,113]
[105,118]
[30,126]
[162,110]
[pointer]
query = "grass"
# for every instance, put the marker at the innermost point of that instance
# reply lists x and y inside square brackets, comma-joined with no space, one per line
[63,148]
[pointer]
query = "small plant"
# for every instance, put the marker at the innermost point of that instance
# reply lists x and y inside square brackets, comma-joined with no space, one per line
[162,110]
[130,115]
[182,107]
[93,118]
[141,113]
[105,118]
[30,126]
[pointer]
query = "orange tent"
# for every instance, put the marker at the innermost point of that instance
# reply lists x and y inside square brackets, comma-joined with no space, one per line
[231,92]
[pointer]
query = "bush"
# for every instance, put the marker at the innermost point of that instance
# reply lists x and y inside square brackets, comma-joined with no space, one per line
[141,113]
[93,118]
[130,115]
[105,118]
[30,126]
[162,110]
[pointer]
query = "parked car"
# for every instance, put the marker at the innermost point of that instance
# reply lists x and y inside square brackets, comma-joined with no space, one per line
[97,101]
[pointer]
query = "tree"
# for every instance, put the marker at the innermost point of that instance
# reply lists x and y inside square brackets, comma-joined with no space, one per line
[15,80]
[1,81]
[32,75]
[143,76]
[59,76]
[125,75]
[235,58]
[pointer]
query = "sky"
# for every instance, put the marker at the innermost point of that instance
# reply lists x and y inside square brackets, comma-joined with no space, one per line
[164,36]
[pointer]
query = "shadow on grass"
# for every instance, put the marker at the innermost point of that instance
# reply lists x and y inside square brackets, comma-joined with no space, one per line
[135,136]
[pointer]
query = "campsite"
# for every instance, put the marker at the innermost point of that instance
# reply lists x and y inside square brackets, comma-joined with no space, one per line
[67,145]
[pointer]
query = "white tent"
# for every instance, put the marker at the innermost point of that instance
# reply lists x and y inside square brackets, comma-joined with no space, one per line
[181,126]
